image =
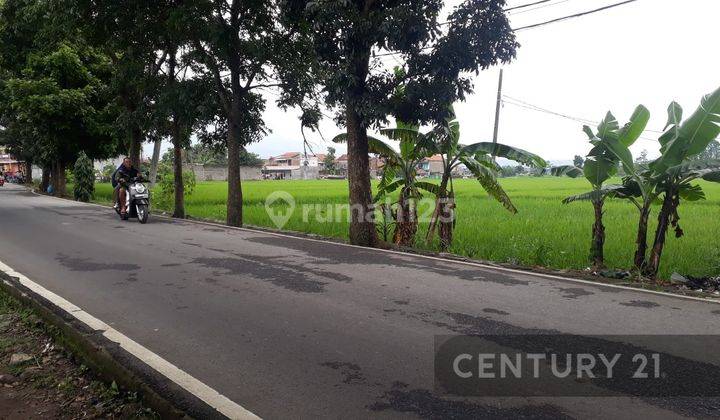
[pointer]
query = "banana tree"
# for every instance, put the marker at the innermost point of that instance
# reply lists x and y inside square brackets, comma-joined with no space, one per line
[400,172]
[672,174]
[444,140]
[600,165]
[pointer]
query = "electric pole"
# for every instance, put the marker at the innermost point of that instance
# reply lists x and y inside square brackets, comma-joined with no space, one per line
[497,110]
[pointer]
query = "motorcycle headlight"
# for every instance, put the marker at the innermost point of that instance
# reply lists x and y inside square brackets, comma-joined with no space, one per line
[140,188]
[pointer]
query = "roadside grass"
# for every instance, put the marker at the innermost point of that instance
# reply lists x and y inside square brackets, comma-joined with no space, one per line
[54,382]
[545,232]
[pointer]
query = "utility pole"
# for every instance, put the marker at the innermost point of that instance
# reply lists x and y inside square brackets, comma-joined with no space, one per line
[497,110]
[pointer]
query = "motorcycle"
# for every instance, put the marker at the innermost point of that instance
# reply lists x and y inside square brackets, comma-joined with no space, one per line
[137,201]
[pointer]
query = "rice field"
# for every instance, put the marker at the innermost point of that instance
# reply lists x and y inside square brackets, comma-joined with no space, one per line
[545,232]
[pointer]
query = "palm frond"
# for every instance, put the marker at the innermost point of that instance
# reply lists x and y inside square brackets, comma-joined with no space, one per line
[594,195]
[429,187]
[571,171]
[487,180]
[504,151]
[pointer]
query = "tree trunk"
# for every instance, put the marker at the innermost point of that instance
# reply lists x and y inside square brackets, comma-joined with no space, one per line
[28,171]
[362,213]
[446,220]
[135,145]
[597,256]
[641,241]
[179,186]
[441,201]
[406,223]
[670,204]
[155,161]
[235,199]
[178,144]
[59,182]
[45,181]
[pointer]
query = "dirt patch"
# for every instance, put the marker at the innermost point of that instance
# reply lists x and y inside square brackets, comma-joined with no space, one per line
[39,379]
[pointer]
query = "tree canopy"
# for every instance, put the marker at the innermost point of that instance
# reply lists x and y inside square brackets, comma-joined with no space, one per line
[350,39]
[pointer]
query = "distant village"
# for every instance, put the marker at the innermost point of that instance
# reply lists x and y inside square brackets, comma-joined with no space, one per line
[286,166]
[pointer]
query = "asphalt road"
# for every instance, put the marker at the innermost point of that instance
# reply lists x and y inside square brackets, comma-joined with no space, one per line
[295,328]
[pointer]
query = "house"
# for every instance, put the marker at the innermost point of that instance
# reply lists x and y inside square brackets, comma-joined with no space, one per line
[341,165]
[293,165]
[376,164]
[296,159]
[286,159]
[10,165]
[431,167]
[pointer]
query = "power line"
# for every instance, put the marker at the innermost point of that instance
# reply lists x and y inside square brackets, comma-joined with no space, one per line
[539,7]
[522,6]
[531,107]
[574,16]
[583,120]
[522,104]
[536,25]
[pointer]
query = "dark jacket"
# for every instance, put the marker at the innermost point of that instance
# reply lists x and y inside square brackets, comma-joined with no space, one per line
[123,173]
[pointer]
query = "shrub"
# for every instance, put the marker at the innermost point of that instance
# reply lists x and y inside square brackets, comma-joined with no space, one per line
[164,191]
[84,178]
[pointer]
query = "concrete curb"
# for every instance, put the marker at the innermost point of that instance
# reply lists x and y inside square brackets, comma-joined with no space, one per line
[109,361]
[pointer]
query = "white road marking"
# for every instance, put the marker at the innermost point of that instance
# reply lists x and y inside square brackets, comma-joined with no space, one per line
[210,396]
[429,257]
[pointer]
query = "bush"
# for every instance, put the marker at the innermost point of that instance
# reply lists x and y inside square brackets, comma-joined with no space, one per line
[164,192]
[84,178]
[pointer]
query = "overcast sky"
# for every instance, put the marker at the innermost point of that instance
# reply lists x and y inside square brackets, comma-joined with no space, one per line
[649,52]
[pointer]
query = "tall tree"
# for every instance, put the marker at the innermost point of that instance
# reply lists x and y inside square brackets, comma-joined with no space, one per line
[435,58]
[55,98]
[183,106]
[23,30]
[134,34]
[247,46]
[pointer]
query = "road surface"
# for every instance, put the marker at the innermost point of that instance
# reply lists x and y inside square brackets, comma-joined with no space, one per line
[290,327]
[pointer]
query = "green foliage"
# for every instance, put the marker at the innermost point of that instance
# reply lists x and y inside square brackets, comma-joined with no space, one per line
[684,140]
[712,153]
[164,191]
[444,139]
[601,163]
[55,97]
[434,65]
[202,154]
[329,161]
[250,159]
[107,172]
[84,182]
[578,161]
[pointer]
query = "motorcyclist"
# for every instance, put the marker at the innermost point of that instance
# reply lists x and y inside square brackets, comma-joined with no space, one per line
[124,173]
